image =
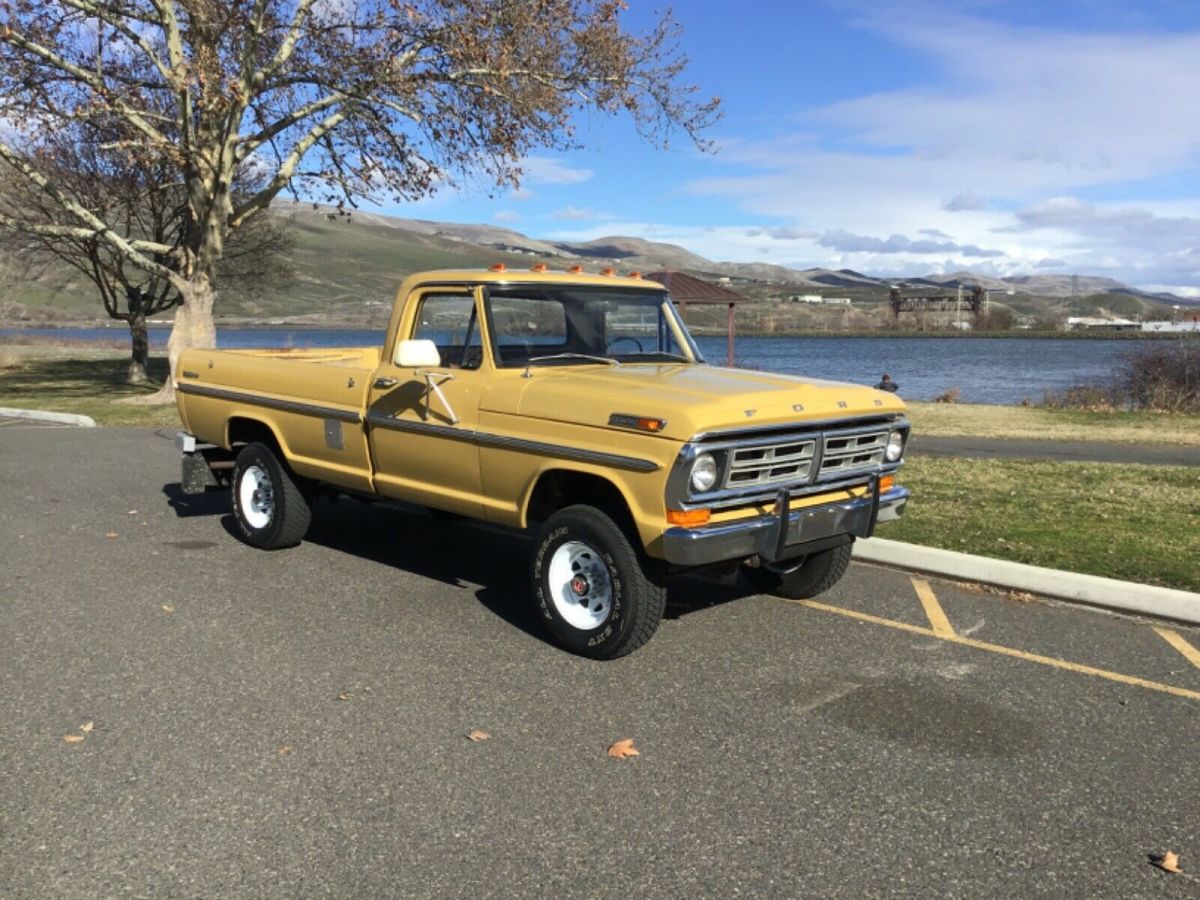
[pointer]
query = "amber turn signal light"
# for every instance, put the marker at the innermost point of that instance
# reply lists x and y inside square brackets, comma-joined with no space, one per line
[688,517]
[886,483]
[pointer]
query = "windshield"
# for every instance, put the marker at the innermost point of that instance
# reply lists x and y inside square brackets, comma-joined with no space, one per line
[571,325]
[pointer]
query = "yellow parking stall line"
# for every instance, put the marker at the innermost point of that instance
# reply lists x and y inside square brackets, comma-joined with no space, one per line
[1190,653]
[1004,651]
[933,610]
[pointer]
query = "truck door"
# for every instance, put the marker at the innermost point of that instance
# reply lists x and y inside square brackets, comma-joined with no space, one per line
[421,420]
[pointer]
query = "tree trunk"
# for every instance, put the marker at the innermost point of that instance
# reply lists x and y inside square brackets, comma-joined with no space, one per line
[193,327]
[140,354]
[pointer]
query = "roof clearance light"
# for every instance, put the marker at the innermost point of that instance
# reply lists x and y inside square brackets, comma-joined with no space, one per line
[576,270]
[497,267]
[635,274]
[609,271]
[641,423]
[688,517]
[538,267]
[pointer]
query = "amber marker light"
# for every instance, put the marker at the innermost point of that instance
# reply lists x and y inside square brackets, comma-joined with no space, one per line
[641,423]
[886,483]
[497,267]
[538,267]
[576,270]
[688,518]
[635,275]
[608,271]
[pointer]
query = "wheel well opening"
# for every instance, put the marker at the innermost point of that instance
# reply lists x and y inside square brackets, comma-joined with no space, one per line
[249,431]
[560,488]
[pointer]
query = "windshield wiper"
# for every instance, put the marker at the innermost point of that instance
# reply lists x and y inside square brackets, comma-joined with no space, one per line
[658,354]
[585,356]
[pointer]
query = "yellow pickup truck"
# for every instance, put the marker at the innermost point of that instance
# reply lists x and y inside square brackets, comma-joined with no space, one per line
[574,406]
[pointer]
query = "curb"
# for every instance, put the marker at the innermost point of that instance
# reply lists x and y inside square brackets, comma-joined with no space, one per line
[1109,593]
[41,416]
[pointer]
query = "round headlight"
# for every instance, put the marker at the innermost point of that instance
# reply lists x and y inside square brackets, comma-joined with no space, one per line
[895,446]
[704,473]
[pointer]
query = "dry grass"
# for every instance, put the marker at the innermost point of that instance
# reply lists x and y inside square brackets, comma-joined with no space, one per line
[973,420]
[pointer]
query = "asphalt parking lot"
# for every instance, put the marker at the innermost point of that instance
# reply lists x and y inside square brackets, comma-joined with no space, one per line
[294,723]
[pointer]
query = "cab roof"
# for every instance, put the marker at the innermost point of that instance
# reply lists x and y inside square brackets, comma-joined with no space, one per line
[535,275]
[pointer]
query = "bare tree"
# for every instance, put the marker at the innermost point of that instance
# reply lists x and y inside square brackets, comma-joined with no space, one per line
[339,99]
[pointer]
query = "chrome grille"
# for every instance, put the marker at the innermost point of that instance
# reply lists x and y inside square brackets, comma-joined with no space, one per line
[848,453]
[770,464]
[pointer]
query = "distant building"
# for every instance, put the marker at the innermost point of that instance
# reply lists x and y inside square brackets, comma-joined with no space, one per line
[805,298]
[1096,323]
[1172,327]
[837,301]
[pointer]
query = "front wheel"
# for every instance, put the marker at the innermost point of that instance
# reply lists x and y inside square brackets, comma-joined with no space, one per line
[816,574]
[271,510]
[599,595]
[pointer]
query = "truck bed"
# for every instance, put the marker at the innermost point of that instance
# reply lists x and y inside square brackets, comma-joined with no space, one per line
[312,398]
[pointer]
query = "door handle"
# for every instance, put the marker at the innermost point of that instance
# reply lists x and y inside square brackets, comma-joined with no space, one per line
[384,382]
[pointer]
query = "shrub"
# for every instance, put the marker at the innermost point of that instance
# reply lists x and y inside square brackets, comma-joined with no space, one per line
[948,396]
[1164,375]
[1091,397]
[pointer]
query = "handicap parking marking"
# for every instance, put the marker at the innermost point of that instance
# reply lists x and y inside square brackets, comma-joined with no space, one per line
[940,629]
[1176,640]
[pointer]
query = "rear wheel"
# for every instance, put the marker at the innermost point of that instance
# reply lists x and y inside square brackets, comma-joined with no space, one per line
[271,510]
[817,573]
[599,595]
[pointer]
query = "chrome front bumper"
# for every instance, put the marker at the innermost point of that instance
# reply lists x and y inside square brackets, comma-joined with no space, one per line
[767,538]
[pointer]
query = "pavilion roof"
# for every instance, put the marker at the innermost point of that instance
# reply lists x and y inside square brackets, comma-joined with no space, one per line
[685,288]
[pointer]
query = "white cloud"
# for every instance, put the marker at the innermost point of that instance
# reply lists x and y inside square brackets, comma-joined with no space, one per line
[898,243]
[549,170]
[506,215]
[577,214]
[964,201]
[1014,117]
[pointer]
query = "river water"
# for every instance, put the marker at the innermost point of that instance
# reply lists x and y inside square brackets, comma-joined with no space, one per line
[985,370]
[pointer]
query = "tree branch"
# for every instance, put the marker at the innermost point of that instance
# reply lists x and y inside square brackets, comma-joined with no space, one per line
[102,231]
[288,168]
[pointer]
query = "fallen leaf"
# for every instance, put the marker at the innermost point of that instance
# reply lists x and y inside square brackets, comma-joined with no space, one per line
[111,535]
[476,735]
[72,738]
[87,727]
[168,609]
[285,750]
[132,512]
[1168,862]
[623,749]
[343,696]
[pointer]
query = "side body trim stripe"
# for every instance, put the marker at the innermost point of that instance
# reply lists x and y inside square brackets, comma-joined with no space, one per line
[502,442]
[308,409]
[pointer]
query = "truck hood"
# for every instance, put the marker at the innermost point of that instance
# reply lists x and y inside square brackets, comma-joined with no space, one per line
[691,398]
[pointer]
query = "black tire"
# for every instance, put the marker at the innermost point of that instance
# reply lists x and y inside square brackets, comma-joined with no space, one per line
[603,563]
[817,574]
[268,503]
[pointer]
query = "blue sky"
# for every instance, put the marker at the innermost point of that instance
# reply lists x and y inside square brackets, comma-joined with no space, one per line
[905,138]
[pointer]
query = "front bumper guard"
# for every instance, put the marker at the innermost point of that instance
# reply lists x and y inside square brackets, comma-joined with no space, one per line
[768,538]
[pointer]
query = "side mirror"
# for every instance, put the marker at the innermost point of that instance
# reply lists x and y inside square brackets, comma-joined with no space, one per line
[414,354]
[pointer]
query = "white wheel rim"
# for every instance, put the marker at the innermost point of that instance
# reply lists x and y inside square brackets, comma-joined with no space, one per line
[256,498]
[580,585]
